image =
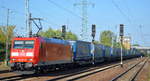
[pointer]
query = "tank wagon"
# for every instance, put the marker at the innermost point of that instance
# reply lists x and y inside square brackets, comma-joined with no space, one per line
[38,53]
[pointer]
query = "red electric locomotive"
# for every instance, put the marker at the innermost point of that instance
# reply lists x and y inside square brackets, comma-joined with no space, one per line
[37,53]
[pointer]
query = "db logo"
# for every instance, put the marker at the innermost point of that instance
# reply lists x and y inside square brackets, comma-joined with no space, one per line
[22,50]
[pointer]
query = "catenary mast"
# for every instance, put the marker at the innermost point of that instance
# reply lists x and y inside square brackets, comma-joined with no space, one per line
[84,31]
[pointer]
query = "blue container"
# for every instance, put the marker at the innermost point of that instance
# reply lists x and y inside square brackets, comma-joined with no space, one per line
[99,53]
[81,51]
[118,52]
[56,41]
[107,52]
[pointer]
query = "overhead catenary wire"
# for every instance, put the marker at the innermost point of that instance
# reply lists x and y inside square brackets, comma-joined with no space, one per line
[65,9]
[13,10]
[128,10]
[119,9]
[45,20]
[142,35]
[48,22]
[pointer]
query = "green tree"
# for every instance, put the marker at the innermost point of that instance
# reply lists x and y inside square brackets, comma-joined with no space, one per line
[71,36]
[6,32]
[3,34]
[106,37]
[57,33]
[136,45]
[117,45]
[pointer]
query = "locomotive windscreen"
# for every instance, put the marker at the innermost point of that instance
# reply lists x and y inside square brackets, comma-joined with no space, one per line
[20,44]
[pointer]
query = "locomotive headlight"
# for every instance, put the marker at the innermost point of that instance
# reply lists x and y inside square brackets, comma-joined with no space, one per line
[14,54]
[13,59]
[29,54]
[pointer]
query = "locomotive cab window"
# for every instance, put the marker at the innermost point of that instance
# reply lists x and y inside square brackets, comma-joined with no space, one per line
[20,44]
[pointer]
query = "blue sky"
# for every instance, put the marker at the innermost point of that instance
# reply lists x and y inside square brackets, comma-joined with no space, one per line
[106,14]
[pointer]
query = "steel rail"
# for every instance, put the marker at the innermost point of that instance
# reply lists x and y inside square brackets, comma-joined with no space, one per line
[136,74]
[86,73]
[120,75]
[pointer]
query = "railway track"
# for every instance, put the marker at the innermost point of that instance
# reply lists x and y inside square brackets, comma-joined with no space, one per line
[78,76]
[131,73]
[16,77]
[30,76]
[64,75]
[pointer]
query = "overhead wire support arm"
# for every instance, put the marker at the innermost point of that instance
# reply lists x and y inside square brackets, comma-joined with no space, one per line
[29,20]
[39,26]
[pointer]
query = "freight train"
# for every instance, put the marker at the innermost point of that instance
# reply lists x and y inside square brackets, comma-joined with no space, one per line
[38,53]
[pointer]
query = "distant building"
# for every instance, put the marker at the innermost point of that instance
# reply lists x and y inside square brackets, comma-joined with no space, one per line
[127,42]
[143,49]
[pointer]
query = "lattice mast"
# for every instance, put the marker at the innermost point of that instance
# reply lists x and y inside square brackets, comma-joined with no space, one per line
[84,31]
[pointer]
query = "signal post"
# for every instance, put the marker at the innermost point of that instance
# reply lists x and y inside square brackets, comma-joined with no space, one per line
[121,42]
[93,39]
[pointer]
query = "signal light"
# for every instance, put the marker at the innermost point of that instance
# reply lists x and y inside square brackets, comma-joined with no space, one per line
[64,31]
[93,31]
[121,29]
